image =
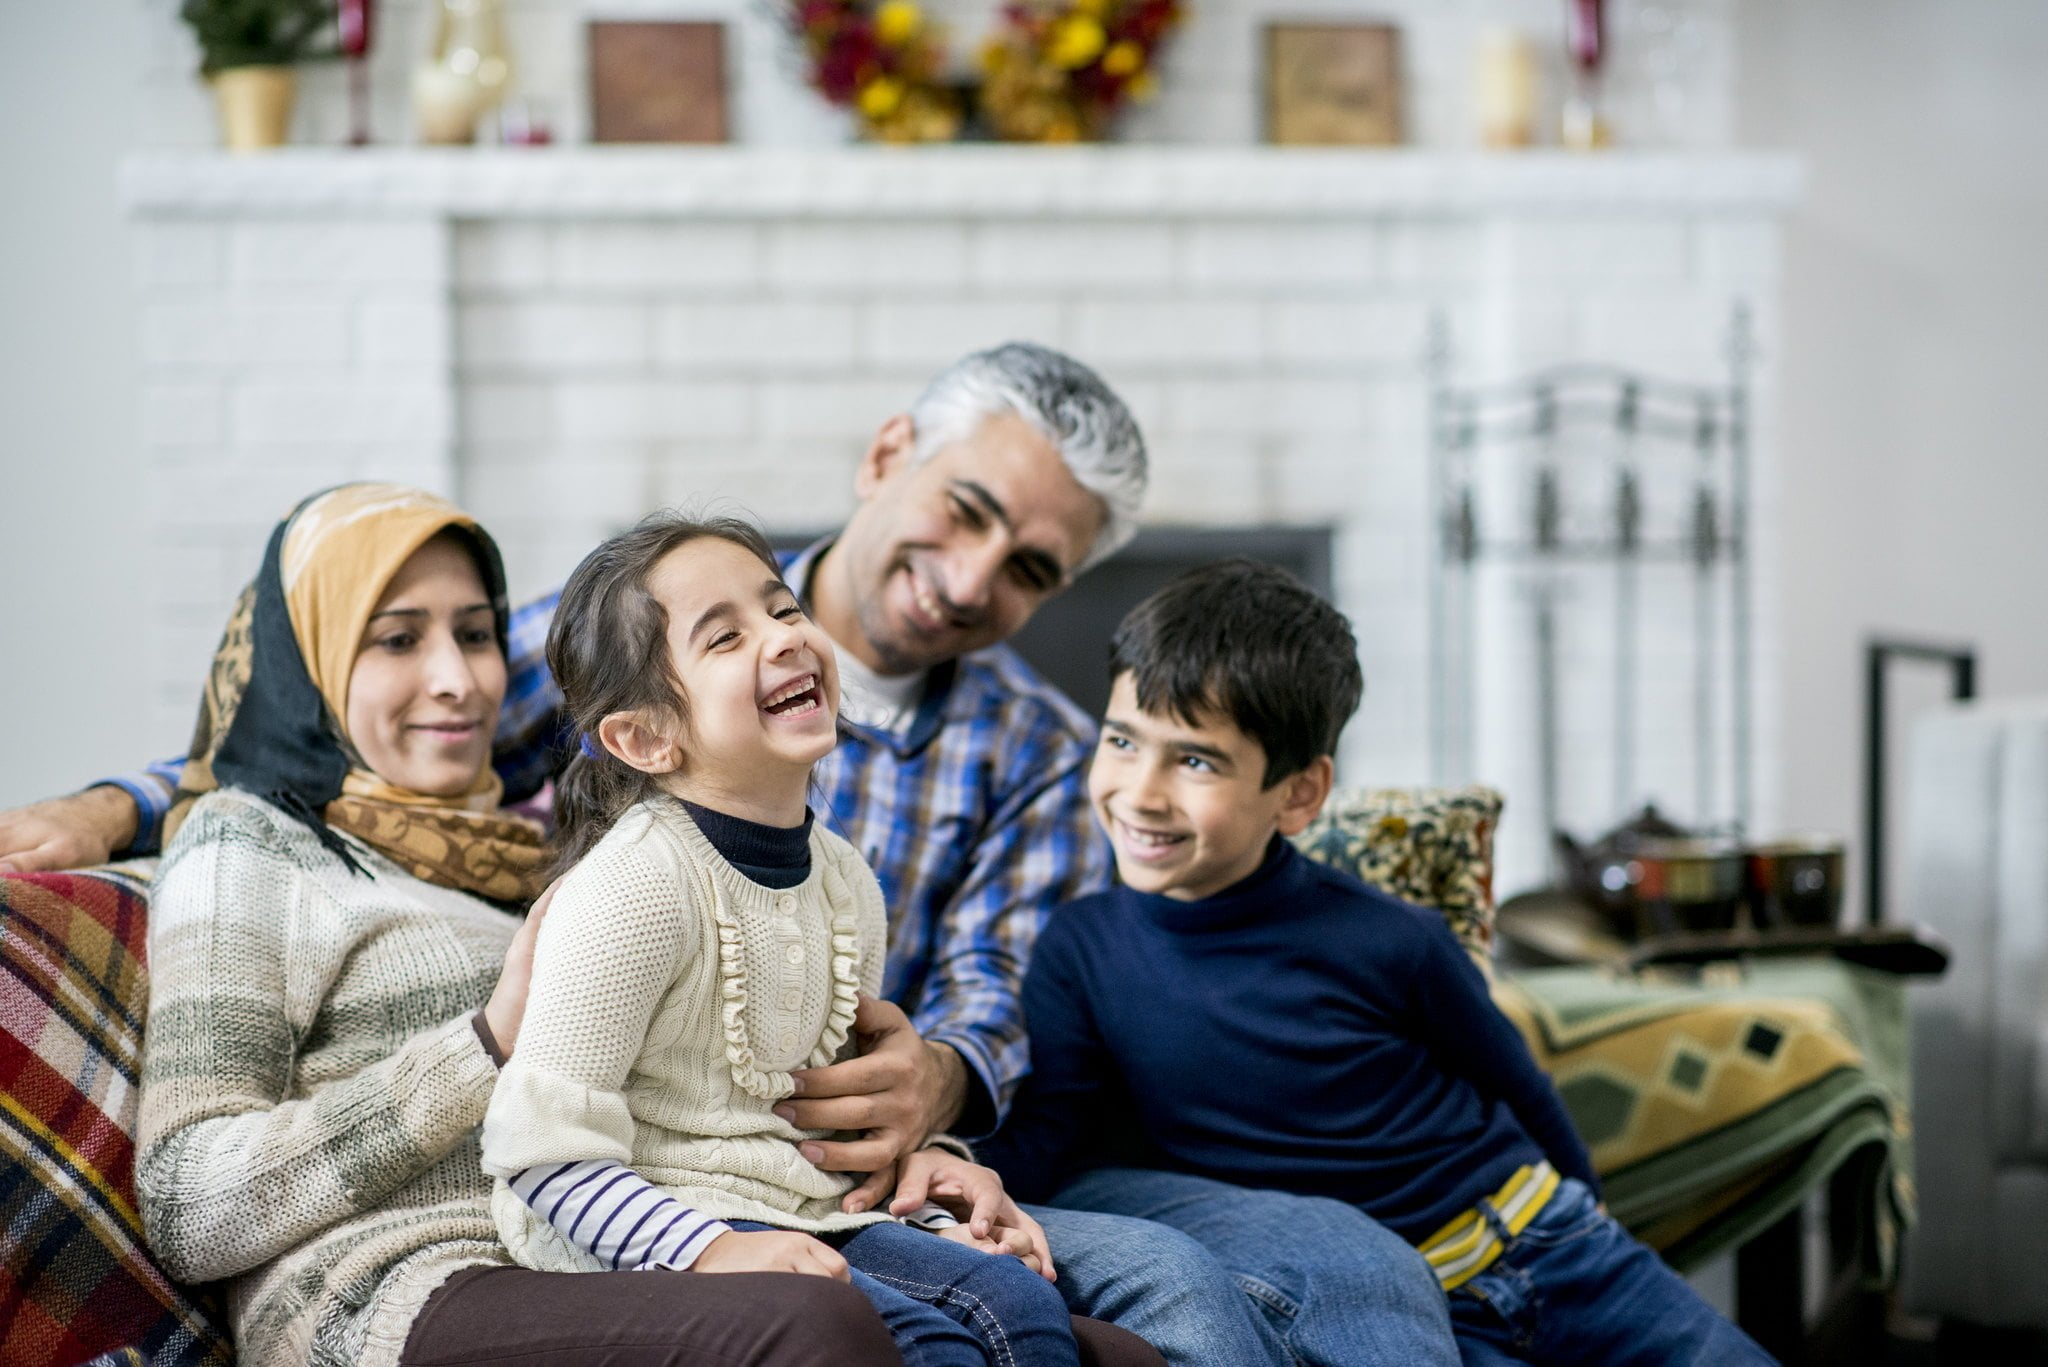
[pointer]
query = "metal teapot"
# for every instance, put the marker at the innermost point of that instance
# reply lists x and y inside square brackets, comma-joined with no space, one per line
[1599,873]
[1649,876]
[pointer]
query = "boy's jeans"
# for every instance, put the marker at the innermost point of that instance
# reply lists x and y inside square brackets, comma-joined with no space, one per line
[948,1305]
[1574,1287]
[1162,1286]
[1336,1288]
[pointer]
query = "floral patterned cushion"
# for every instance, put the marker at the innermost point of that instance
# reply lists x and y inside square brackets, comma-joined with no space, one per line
[1429,846]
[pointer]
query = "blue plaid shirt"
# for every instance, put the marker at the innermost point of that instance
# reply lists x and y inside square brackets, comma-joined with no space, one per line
[974,818]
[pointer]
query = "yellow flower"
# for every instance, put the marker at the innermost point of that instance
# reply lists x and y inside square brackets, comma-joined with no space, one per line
[897,22]
[1123,58]
[878,98]
[1076,40]
[1142,86]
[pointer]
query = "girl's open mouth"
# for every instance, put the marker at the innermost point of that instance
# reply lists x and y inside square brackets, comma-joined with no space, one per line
[795,698]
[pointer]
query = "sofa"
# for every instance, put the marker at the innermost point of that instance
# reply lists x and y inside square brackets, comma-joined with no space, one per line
[1976,870]
[1710,1108]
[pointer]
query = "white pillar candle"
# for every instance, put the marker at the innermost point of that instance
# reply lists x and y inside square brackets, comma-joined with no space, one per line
[1507,81]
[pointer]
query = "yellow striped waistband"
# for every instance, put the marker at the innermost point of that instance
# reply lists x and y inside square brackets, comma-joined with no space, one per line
[1468,1245]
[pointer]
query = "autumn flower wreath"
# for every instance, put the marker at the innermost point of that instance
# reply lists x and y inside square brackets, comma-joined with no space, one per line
[1053,71]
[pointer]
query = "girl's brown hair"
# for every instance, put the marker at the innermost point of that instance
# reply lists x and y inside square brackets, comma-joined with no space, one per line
[608,651]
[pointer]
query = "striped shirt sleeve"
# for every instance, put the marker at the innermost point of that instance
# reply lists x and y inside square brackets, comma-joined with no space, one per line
[151,788]
[617,1216]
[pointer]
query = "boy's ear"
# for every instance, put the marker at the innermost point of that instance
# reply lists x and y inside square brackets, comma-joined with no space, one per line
[1305,794]
[886,454]
[629,737]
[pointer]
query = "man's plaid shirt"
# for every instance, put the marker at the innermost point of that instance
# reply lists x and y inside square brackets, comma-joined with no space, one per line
[975,820]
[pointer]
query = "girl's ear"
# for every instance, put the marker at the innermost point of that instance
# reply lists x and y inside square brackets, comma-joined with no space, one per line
[647,748]
[1306,793]
[886,454]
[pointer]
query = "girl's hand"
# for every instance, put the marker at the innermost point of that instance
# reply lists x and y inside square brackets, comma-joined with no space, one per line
[508,999]
[976,1198]
[1015,1242]
[770,1250]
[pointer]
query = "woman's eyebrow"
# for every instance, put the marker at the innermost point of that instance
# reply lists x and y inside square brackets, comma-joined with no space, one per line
[424,612]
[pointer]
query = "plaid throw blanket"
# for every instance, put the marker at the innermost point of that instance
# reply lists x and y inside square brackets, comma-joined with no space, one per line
[77,1283]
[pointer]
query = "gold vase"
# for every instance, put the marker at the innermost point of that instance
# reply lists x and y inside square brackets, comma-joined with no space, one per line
[255,105]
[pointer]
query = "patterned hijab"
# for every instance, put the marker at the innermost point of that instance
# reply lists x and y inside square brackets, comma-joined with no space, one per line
[272,720]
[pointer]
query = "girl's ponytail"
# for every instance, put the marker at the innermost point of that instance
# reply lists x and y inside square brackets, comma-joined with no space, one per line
[608,651]
[590,795]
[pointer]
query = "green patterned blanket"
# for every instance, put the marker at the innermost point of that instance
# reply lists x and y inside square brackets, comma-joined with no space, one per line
[1711,1110]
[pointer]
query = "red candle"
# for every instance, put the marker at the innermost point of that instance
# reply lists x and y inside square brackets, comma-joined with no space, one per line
[354,18]
[1585,34]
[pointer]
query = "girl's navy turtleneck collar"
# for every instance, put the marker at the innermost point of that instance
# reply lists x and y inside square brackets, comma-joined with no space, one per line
[1255,897]
[773,856]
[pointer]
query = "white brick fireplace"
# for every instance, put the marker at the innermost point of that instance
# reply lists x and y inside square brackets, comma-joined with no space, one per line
[565,339]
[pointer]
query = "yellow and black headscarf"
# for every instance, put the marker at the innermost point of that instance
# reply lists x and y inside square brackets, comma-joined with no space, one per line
[272,720]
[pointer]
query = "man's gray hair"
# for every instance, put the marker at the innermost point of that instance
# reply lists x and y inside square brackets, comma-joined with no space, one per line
[1093,431]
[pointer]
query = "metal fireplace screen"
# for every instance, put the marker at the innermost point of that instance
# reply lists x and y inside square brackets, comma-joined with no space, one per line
[1591,589]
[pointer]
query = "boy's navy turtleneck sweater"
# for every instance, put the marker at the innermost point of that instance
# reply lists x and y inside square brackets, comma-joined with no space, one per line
[773,856]
[1297,1031]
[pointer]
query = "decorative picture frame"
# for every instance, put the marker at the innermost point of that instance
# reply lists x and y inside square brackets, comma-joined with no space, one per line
[1333,85]
[657,81]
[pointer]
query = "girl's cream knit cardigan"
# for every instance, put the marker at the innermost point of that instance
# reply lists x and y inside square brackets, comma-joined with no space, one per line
[672,997]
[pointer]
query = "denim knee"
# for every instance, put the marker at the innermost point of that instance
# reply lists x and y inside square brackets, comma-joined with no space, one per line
[1005,1281]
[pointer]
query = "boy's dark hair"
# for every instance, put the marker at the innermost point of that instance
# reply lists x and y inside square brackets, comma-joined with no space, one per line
[1249,642]
[608,650]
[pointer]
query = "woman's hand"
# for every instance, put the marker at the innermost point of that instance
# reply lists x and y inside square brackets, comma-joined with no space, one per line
[770,1250]
[975,1196]
[502,1013]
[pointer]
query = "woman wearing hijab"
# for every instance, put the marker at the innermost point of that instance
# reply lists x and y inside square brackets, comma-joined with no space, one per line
[339,967]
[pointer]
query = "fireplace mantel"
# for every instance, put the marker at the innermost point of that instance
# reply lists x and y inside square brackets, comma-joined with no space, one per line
[977,181]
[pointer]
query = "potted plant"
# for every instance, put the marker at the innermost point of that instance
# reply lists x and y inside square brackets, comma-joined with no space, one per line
[247,50]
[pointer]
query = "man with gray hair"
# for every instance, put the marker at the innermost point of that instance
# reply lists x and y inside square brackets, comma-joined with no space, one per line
[960,776]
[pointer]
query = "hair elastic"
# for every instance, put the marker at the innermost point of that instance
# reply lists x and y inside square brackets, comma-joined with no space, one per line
[589,751]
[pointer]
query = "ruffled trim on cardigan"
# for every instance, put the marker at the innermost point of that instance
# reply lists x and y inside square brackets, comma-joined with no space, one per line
[845,971]
[747,1074]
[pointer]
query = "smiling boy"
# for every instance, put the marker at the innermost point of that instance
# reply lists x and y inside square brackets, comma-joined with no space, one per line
[1236,1015]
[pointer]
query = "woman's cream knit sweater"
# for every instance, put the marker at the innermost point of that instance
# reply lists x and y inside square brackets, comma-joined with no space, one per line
[672,997]
[312,1084]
